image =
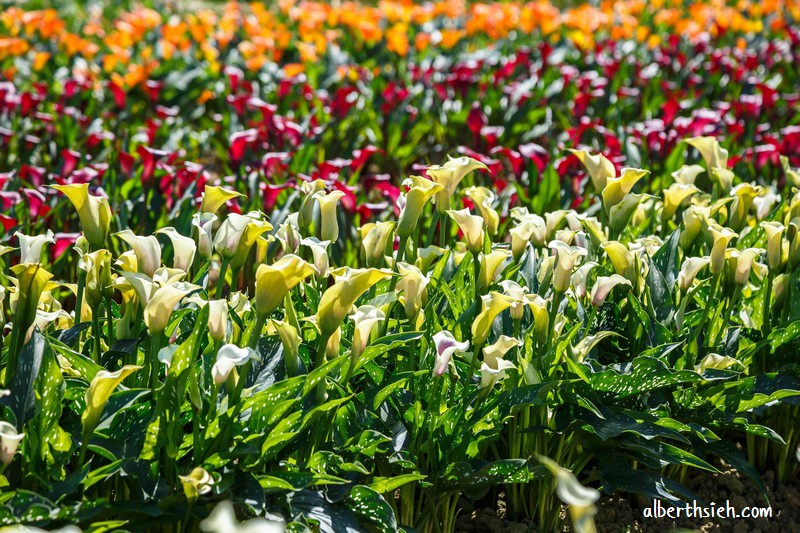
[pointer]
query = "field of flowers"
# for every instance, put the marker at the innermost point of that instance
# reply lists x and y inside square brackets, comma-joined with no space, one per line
[360,267]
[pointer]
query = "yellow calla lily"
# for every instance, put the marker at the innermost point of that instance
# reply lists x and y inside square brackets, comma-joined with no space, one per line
[449,176]
[674,196]
[291,341]
[420,193]
[337,301]
[319,250]
[618,187]
[566,258]
[490,265]
[216,197]
[483,199]
[493,304]
[720,236]
[472,228]
[375,238]
[160,306]
[413,284]
[714,155]
[306,214]
[744,194]
[93,211]
[98,276]
[329,222]
[623,260]
[599,167]
[183,248]
[98,393]
[774,231]
[273,282]
[147,250]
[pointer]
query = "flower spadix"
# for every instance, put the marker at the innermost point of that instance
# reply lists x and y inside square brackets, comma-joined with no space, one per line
[273,282]
[337,301]
[93,212]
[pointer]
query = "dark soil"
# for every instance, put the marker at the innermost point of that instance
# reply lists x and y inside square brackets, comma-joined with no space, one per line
[623,513]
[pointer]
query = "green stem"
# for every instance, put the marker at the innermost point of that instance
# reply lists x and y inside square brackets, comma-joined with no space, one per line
[110,326]
[322,342]
[96,335]
[223,271]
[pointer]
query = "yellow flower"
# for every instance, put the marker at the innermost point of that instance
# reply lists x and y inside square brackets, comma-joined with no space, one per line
[420,193]
[273,282]
[598,166]
[375,238]
[449,176]
[472,228]
[98,393]
[329,223]
[216,197]
[93,211]
[337,301]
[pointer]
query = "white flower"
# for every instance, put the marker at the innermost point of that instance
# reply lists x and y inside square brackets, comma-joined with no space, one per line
[228,357]
[446,346]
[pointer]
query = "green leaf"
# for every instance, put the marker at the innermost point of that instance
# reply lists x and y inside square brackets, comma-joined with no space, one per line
[371,507]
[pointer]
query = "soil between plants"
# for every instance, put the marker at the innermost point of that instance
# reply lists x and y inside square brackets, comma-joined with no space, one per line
[623,513]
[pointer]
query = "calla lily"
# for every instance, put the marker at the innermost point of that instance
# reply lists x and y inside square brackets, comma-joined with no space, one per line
[689,269]
[166,354]
[97,266]
[197,483]
[229,357]
[472,228]
[774,231]
[581,277]
[223,520]
[93,211]
[98,393]
[9,442]
[744,194]
[740,263]
[420,193]
[491,376]
[31,282]
[273,282]
[587,344]
[183,248]
[720,238]
[722,177]
[413,284]
[427,256]
[483,199]
[158,309]
[713,154]
[598,166]
[622,259]
[204,222]
[490,267]
[216,197]
[695,218]
[306,214]
[716,362]
[674,196]
[687,174]
[237,235]
[30,248]
[374,239]
[365,319]
[492,304]
[291,341]
[578,498]
[446,346]
[337,301]
[764,202]
[531,229]
[792,174]
[618,187]
[449,176]
[147,250]
[319,250]
[329,223]
[566,258]
[289,235]
[494,353]
[604,285]
[218,319]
